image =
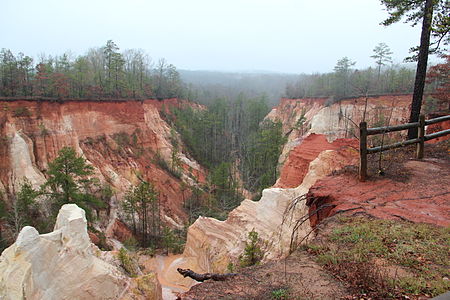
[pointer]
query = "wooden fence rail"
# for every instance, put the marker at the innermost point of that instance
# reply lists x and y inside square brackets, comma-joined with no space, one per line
[364,132]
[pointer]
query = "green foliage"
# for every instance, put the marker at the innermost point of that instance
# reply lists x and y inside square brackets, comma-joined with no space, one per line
[172,170]
[263,151]
[381,56]
[102,243]
[413,11]
[141,204]
[44,131]
[202,204]
[346,82]
[103,72]
[131,243]
[150,251]
[172,242]
[25,204]
[204,132]
[3,210]
[69,182]
[230,267]
[127,263]
[219,136]
[224,187]
[281,293]
[431,105]
[253,253]
[342,72]
[301,122]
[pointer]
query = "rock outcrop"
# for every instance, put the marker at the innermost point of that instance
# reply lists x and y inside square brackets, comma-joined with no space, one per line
[64,264]
[58,265]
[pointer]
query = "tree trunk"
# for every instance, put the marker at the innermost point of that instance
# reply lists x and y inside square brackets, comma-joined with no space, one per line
[421,72]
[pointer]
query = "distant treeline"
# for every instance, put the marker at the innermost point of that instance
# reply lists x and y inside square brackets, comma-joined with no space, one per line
[345,81]
[102,72]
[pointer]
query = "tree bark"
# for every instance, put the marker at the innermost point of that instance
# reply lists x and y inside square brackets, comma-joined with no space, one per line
[421,72]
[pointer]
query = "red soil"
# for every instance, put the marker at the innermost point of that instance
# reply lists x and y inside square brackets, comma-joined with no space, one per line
[425,197]
[121,231]
[436,128]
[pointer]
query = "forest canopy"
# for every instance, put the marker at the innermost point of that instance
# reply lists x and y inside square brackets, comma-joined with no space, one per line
[102,72]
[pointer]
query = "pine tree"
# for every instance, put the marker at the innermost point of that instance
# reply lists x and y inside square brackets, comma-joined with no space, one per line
[435,18]
[69,182]
[382,56]
[141,203]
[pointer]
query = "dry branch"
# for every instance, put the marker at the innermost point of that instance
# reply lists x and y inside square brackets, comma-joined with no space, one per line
[205,276]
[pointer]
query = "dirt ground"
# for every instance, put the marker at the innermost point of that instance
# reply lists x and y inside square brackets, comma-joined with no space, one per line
[297,277]
[406,188]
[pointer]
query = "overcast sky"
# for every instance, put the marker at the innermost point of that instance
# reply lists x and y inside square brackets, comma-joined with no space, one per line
[295,36]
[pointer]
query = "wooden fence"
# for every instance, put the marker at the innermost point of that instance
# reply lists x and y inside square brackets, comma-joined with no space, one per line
[420,140]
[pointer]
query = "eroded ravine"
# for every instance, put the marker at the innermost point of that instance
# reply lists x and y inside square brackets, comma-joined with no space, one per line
[313,152]
[309,155]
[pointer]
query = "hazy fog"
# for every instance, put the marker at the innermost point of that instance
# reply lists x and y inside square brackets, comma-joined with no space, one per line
[235,35]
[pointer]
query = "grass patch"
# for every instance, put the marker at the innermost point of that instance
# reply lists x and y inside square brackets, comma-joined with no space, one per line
[281,293]
[420,250]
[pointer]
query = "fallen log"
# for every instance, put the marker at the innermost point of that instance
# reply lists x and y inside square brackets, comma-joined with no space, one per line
[205,276]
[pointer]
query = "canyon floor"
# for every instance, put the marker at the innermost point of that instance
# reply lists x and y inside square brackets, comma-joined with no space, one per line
[384,238]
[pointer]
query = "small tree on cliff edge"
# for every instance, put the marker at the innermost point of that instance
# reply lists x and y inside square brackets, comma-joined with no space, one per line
[253,253]
[69,182]
[434,15]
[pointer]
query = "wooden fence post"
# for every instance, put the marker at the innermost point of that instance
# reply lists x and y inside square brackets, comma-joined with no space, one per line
[421,143]
[362,151]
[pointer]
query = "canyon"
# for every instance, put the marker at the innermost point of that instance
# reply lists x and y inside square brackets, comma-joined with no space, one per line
[121,140]
[322,144]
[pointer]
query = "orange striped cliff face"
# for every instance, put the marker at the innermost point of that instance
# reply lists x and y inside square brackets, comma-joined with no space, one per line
[121,140]
[313,125]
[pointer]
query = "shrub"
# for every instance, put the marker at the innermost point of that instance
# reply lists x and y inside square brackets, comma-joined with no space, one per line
[44,131]
[253,254]
[121,138]
[173,240]
[21,112]
[230,267]
[160,161]
[281,293]
[131,243]
[127,263]
[148,251]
